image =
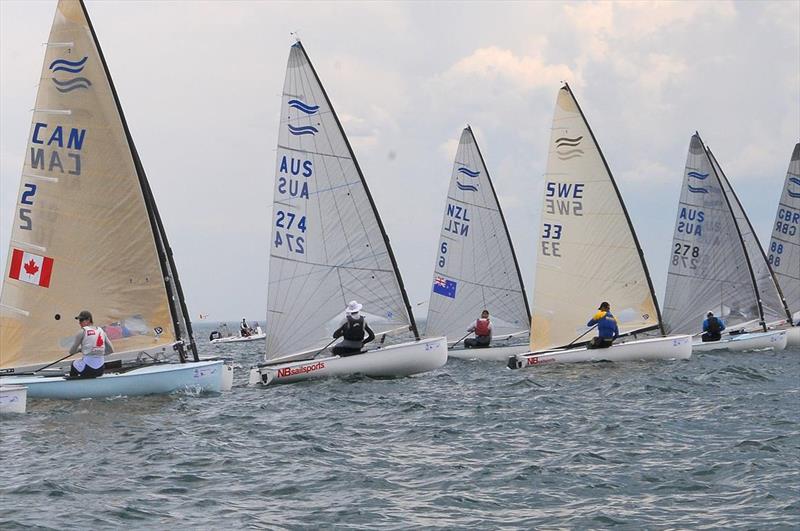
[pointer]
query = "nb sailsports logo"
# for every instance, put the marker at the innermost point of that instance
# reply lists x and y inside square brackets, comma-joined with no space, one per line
[697,189]
[567,148]
[468,172]
[467,187]
[72,67]
[796,181]
[697,175]
[303,107]
[303,130]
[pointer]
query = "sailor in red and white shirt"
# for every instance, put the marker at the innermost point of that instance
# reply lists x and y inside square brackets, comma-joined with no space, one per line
[483,332]
[93,343]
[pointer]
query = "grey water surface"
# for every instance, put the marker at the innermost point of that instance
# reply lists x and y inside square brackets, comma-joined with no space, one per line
[713,442]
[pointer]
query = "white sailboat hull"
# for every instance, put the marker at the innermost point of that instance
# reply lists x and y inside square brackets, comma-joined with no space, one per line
[393,361]
[13,398]
[238,339]
[208,376]
[793,337]
[161,353]
[499,353]
[772,339]
[662,348]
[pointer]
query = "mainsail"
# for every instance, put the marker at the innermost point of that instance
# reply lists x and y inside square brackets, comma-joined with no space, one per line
[588,251]
[773,306]
[86,234]
[476,267]
[709,269]
[328,245]
[784,247]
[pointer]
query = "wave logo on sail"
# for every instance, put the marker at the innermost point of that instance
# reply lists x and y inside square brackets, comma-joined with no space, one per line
[303,107]
[468,172]
[697,189]
[467,187]
[796,181]
[303,130]
[72,67]
[697,175]
[568,148]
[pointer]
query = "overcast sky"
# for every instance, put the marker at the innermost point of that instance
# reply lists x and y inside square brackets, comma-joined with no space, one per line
[200,85]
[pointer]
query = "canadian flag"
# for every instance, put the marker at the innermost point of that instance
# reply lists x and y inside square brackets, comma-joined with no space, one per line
[31,268]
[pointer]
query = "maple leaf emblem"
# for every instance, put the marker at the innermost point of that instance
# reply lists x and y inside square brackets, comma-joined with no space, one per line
[31,268]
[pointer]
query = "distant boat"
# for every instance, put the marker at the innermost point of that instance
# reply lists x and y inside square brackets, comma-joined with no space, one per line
[784,247]
[476,267]
[588,253]
[87,234]
[328,247]
[718,265]
[257,334]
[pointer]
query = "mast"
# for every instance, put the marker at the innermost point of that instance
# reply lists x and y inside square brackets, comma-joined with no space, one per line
[660,325]
[366,190]
[714,166]
[755,237]
[505,225]
[168,270]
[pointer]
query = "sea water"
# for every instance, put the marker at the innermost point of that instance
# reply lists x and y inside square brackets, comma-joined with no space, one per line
[712,442]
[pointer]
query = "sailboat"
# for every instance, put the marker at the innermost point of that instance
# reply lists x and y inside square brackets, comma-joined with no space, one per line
[588,252]
[717,264]
[784,246]
[329,246]
[87,234]
[476,267]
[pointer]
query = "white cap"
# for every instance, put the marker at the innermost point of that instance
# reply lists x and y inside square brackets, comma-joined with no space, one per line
[353,307]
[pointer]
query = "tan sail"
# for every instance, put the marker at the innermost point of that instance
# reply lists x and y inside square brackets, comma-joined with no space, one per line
[83,235]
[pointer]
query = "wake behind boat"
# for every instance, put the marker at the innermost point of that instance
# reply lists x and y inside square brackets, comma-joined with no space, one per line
[68,248]
[329,247]
[588,252]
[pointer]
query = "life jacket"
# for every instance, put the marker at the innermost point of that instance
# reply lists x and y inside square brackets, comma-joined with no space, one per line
[354,329]
[713,326]
[94,341]
[482,327]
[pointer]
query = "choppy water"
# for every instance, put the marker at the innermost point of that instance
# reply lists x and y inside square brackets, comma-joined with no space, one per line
[710,442]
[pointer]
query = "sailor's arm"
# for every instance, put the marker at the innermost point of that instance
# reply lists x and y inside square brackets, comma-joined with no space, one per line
[76,345]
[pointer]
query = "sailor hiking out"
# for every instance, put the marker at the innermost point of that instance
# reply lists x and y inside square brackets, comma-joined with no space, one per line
[352,332]
[483,332]
[93,343]
[712,328]
[607,328]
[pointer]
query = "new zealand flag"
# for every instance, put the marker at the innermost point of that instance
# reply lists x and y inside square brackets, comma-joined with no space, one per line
[445,287]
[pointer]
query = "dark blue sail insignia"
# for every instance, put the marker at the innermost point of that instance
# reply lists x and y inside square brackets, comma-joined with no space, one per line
[468,172]
[697,189]
[71,67]
[796,181]
[303,107]
[697,175]
[467,187]
[303,130]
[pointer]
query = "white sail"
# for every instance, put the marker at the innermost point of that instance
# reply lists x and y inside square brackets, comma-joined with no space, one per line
[588,252]
[86,231]
[709,269]
[328,245]
[784,247]
[772,304]
[475,266]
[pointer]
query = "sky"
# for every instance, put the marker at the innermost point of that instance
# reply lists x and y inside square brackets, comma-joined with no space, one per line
[200,84]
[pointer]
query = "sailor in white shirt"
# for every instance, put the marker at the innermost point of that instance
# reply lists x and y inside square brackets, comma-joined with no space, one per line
[93,343]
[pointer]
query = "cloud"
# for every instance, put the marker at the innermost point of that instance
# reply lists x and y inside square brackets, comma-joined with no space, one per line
[522,72]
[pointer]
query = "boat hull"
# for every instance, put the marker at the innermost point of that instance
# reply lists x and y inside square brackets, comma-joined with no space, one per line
[13,398]
[770,340]
[662,348]
[206,376]
[237,339]
[793,337]
[388,362]
[500,353]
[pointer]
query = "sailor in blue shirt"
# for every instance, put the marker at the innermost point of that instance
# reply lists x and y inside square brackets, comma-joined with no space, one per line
[712,328]
[606,327]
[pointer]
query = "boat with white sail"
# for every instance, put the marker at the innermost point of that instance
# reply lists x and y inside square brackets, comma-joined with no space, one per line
[328,247]
[783,253]
[588,252]
[87,234]
[476,268]
[718,268]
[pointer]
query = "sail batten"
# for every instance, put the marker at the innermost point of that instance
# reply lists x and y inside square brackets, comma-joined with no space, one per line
[587,250]
[475,266]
